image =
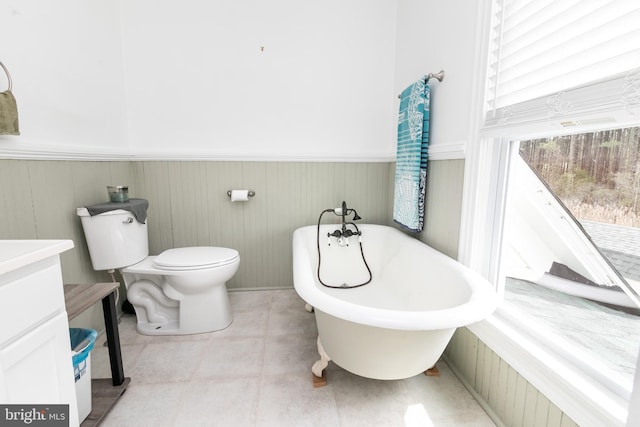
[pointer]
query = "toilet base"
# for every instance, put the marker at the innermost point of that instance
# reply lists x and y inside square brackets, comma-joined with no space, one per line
[163,308]
[170,328]
[202,313]
[205,312]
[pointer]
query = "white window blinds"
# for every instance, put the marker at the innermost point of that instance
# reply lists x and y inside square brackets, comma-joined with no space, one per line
[545,50]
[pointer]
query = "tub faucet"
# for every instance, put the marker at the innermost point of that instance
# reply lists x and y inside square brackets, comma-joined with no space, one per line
[343,234]
[345,211]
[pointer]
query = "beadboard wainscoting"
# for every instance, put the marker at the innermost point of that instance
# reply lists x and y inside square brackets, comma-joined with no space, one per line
[39,201]
[189,205]
[504,394]
[445,180]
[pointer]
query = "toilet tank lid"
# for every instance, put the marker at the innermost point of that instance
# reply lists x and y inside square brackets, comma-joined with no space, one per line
[138,207]
[85,212]
[198,256]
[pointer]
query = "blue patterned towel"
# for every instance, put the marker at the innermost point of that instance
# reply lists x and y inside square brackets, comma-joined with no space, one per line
[411,159]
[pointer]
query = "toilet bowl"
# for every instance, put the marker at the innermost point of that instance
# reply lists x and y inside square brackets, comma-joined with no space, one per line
[180,291]
[172,299]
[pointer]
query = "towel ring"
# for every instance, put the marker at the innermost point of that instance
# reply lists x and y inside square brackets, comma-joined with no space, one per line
[8,75]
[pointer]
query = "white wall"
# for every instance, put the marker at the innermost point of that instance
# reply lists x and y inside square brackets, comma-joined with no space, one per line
[199,83]
[434,36]
[66,63]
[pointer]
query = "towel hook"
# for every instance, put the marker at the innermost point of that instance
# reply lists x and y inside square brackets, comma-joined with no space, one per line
[8,75]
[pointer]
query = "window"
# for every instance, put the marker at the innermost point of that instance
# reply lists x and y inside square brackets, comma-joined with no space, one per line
[585,184]
[554,68]
[541,51]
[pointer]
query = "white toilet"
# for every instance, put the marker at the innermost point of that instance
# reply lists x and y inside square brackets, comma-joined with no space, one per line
[181,291]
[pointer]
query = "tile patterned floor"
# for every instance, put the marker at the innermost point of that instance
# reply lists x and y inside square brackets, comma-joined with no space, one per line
[257,373]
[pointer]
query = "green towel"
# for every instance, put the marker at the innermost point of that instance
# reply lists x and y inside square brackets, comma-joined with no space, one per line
[8,114]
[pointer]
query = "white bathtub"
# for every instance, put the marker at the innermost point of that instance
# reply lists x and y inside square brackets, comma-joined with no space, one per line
[398,325]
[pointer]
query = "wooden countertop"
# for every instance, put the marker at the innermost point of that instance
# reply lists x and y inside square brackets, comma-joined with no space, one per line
[78,298]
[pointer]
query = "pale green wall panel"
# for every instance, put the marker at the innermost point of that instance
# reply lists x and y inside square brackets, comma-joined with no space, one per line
[229,216]
[443,205]
[53,198]
[17,219]
[322,184]
[137,182]
[254,244]
[120,173]
[503,393]
[285,200]
[189,206]
[367,190]
[155,187]
[215,197]
[39,201]
[54,205]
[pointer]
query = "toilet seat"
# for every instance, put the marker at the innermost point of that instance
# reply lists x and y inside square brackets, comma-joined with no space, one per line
[195,258]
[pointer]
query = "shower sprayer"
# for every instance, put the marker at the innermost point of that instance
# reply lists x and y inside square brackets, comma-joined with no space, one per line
[342,238]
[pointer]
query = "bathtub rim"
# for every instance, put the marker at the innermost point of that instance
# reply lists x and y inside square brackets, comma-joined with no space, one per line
[482,303]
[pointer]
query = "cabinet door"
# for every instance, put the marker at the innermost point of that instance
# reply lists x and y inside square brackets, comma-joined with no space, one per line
[28,296]
[37,368]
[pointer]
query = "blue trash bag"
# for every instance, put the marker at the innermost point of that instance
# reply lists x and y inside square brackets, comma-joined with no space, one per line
[82,342]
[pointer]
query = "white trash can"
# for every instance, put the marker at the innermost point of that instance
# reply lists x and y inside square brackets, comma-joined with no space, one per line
[82,342]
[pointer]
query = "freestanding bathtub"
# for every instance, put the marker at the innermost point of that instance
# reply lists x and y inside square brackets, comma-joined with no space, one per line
[399,324]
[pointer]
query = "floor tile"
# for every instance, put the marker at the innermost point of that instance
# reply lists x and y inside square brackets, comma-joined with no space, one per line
[250,300]
[226,402]
[144,405]
[167,362]
[233,357]
[257,372]
[292,321]
[246,324]
[290,354]
[366,402]
[291,400]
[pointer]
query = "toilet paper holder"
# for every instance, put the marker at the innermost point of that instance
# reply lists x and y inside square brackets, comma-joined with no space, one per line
[251,193]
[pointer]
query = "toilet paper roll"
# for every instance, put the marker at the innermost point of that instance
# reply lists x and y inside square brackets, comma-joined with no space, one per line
[239,195]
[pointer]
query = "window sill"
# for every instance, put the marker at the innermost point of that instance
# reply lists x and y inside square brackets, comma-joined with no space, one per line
[554,370]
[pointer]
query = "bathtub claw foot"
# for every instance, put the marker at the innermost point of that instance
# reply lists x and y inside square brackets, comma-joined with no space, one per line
[432,372]
[319,379]
[309,308]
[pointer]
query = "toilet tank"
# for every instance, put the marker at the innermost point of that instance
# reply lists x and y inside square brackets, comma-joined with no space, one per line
[115,238]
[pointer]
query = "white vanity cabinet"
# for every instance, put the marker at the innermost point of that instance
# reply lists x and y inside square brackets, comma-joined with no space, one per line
[35,350]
